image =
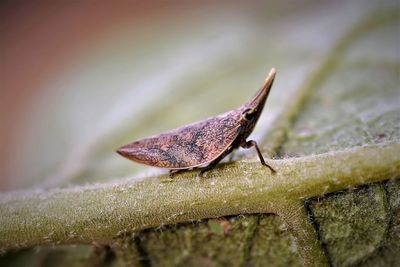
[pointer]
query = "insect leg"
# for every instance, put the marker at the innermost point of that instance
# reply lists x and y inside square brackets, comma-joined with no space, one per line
[172,173]
[215,162]
[208,168]
[252,143]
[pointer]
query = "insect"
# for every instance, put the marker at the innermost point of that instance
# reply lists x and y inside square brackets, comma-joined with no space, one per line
[203,143]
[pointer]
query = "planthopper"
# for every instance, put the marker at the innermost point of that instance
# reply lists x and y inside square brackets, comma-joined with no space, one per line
[203,143]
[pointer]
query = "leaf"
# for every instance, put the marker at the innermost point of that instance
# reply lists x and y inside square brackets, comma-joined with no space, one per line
[332,201]
[357,226]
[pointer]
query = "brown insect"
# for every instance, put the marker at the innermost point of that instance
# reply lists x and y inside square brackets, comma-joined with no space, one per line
[203,143]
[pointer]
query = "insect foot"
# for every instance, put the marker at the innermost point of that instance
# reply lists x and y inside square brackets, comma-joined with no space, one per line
[173,173]
[252,143]
[204,142]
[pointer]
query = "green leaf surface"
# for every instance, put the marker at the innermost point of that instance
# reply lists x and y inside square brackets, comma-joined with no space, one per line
[353,225]
[332,124]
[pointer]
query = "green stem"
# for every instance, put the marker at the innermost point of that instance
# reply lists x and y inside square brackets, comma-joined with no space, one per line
[127,251]
[296,216]
[103,212]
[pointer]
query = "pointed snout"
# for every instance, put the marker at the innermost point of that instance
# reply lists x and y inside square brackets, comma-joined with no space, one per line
[261,96]
[270,78]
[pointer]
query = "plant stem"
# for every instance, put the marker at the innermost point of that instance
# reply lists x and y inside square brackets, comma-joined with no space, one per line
[103,212]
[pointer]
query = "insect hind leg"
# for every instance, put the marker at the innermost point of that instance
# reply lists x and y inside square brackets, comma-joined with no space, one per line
[253,143]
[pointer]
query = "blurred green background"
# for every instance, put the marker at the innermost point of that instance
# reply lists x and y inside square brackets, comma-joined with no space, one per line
[81,78]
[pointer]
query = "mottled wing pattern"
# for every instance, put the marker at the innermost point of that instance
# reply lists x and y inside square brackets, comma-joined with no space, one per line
[189,146]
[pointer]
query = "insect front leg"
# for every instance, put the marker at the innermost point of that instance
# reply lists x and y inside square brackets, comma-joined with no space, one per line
[252,143]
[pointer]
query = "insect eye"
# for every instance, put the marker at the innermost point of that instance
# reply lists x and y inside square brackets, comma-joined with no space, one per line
[248,114]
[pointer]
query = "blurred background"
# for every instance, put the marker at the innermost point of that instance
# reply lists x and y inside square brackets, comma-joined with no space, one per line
[78,79]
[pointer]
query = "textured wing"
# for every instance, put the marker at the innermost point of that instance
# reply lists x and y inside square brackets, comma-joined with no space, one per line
[189,146]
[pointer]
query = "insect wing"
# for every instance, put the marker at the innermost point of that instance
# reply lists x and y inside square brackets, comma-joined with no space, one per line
[189,146]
